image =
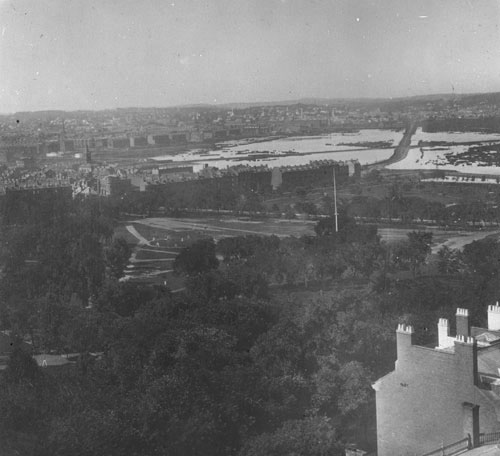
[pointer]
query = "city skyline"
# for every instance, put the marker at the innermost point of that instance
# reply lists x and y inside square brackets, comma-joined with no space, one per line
[103,55]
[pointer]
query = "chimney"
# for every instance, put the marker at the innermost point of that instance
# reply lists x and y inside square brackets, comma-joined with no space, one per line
[444,339]
[466,358]
[463,327]
[494,317]
[404,340]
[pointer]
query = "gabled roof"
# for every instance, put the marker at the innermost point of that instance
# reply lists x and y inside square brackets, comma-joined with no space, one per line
[488,360]
[485,334]
[377,383]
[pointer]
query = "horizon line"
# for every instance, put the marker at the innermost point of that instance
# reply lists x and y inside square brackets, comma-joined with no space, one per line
[259,103]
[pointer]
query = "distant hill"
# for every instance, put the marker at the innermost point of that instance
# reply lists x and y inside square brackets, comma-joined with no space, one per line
[301,101]
[469,98]
[397,102]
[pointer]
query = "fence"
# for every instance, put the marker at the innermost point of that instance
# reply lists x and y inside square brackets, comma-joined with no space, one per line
[452,448]
[492,437]
[464,445]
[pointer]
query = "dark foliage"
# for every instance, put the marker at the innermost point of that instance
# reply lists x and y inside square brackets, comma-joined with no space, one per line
[236,365]
[197,258]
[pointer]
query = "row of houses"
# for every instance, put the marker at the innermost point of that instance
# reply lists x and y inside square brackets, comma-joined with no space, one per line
[259,179]
[22,199]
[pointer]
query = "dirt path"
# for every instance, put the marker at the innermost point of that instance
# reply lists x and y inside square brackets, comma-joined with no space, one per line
[142,240]
[462,239]
[452,239]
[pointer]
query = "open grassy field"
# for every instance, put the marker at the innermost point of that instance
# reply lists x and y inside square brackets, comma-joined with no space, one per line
[178,231]
[158,240]
[174,233]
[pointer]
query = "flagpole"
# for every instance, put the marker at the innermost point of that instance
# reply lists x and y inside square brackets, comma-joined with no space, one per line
[335,201]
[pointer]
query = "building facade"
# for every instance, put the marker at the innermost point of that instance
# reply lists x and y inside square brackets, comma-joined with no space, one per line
[439,395]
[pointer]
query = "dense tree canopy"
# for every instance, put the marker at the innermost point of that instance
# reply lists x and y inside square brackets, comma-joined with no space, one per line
[197,258]
[413,253]
[271,350]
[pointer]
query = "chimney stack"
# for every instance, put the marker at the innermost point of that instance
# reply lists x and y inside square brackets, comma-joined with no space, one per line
[405,338]
[494,317]
[444,339]
[463,327]
[466,357]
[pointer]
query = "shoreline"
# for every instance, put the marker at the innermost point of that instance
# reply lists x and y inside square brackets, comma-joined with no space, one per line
[403,148]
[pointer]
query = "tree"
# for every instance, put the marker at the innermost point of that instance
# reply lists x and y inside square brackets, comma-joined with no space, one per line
[374,176]
[289,212]
[362,258]
[482,257]
[279,351]
[306,207]
[314,436]
[326,226]
[198,392]
[246,247]
[94,431]
[355,399]
[449,260]
[90,263]
[197,258]
[117,256]
[21,366]
[412,253]
[355,389]
[123,298]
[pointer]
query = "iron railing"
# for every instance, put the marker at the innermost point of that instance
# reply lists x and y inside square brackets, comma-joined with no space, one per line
[465,444]
[492,437]
[452,448]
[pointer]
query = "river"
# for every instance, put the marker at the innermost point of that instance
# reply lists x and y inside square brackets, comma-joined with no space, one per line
[367,146]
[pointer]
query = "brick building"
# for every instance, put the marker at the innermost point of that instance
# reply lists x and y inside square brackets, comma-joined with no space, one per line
[441,394]
[255,179]
[194,189]
[179,183]
[317,173]
[114,186]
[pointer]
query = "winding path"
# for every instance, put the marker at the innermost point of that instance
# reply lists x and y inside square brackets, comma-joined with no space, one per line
[142,240]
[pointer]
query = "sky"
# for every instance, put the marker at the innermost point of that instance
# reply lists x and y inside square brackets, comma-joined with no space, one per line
[99,54]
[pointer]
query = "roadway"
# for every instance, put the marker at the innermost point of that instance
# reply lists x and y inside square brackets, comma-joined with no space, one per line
[400,152]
